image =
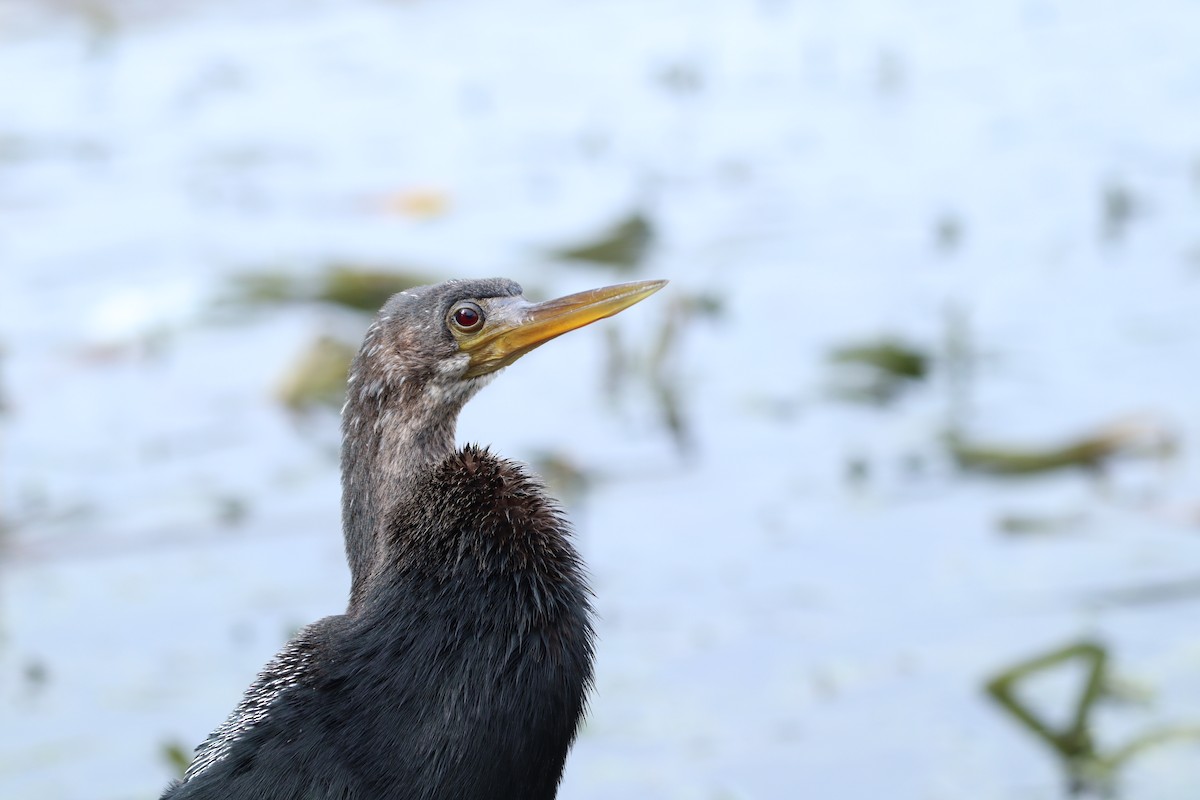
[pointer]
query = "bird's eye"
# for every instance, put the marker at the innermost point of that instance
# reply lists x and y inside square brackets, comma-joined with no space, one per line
[468,317]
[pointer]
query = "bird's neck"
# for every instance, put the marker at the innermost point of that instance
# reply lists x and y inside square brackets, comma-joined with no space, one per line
[390,433]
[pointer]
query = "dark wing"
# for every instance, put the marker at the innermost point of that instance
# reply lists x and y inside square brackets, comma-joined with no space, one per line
[231,750]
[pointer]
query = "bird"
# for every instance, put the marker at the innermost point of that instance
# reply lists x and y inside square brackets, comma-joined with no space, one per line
[463,662]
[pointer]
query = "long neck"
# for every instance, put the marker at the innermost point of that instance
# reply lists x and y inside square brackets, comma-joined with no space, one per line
[391,430]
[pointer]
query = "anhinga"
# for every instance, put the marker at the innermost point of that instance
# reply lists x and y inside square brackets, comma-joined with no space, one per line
[461,667]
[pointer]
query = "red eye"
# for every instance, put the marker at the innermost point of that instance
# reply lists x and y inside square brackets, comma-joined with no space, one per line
[468,317]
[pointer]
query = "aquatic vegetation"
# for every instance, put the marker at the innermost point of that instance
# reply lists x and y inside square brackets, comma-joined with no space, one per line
[357,286]
[887,355]
[1074,744]
[176,756]
[366,288]
[623,245]
[877,371]
[318,378]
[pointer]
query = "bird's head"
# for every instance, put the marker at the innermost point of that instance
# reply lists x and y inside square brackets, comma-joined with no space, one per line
[438,344]
[428,351]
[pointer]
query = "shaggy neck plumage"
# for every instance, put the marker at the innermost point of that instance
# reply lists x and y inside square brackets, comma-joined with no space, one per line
[393,426]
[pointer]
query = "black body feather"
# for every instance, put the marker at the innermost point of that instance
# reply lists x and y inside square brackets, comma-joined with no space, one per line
[460,670]
[461,667]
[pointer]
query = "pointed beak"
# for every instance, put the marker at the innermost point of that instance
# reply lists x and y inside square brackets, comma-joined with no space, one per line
[515,326]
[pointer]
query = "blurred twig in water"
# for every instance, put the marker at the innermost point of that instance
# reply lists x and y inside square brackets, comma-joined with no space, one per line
[664,372]
[959,360]
[1092,451]
[1039,524]
[658,365]
[1087,769]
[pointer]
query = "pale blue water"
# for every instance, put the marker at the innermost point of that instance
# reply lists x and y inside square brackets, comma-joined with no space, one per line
[769,629]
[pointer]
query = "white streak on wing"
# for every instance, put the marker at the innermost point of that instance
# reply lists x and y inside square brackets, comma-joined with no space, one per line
[281,673]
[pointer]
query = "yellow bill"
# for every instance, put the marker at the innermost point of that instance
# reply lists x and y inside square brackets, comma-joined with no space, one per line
[513,326]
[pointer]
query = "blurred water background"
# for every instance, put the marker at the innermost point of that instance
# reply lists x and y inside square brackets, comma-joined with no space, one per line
[893,493]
